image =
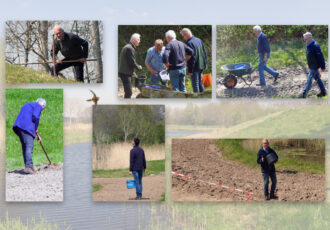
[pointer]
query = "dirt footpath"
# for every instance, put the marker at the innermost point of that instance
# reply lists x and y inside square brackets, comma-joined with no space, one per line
[290,84]
[114,189]
[44,185]
[200,158]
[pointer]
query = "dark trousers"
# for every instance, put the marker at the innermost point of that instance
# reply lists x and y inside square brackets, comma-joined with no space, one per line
[197,82]
[78,67]
[127,82]
[138,182]
[272,176]
[27,146]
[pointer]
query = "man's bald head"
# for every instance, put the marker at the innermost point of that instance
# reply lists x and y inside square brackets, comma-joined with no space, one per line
[59,32]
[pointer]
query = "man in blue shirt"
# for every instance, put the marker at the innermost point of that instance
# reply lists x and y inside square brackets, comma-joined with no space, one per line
[137,166]
[154,62]
[315,60]
[175,60]
[26,128]
[264,54]
[268,170]
[197,63]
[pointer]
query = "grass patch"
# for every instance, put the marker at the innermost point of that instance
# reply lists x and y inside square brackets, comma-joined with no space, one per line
[50,126]
[153,167]
[32,224]
[20,74]
[163,198]
[232,149]
[97,187]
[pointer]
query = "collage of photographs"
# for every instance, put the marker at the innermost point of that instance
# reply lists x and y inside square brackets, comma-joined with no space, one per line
[197,114]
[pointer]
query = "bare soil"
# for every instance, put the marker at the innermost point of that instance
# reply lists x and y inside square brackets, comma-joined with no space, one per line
[114,189]
[200,158]
[45,185]
[290,84]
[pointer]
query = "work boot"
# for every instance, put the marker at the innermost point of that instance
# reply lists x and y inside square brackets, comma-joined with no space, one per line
[273,196]
[276,77]
[29,171]
[267,197]
[322,94]
[302,96]
[261,85]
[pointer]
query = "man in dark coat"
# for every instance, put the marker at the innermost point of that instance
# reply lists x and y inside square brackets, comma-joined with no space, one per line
[264,55]
[315,61]
[127,64]
[137,166]
[268,170]
[26,128]
[72,47]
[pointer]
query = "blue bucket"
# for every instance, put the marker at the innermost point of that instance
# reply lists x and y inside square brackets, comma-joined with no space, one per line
[241,66]
[130,184]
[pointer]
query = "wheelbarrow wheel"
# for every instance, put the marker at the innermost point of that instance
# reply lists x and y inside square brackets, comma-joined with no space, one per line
[230,81]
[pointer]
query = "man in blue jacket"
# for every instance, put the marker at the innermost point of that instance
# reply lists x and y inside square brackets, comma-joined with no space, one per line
[137,166]
[175,60]
[268,170]
[264,54]
[26,128]
[197,63]
[315,60]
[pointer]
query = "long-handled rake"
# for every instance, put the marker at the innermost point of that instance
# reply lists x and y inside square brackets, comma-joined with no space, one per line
[49,162]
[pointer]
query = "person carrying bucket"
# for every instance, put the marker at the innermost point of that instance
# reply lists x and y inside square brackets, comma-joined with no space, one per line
[26,128]
[267,157]
[137,166]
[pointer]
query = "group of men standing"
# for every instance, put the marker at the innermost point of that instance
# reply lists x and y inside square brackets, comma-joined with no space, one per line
[174,58]
[314,56]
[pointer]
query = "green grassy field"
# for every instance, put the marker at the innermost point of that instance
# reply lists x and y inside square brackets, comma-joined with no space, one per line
[20,74]
[232,149]
[50,126]
[286,54]
[153,167]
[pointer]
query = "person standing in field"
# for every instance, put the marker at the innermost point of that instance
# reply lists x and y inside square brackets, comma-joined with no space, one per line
[127,64]
[137,166]
[315,60]
[175,60]
[72,47]
[268,170]
[197,63]
[26,128]
[154,62]
[264,55]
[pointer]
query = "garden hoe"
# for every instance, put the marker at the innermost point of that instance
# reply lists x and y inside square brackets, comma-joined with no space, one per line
[49,162]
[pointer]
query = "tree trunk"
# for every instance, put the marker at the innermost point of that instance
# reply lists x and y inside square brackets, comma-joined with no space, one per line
[43,45]
[97,51]
[27,42]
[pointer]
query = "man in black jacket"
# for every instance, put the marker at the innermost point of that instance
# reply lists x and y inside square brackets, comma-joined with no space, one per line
[315,61]
[268,170]
[72,47]
[137,166]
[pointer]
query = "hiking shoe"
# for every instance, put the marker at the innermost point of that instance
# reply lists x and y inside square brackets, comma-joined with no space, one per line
[261,85]
[29,171]
[273,196]
[322,94]
[302,96]
[267,197]
[276,77]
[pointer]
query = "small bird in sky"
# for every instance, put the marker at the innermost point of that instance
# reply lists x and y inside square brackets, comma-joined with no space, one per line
[94,98]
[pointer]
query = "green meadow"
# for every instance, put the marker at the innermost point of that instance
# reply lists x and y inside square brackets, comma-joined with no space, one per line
[50,126]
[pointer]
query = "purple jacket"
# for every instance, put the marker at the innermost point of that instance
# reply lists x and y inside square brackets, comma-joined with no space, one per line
[28,118]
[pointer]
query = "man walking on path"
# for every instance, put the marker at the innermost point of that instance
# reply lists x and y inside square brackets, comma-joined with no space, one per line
[72,47]
[175,60]
[127,64]
[264,54]
[315,60]
[26,128]
[268,170]
[137,166]
[197,63]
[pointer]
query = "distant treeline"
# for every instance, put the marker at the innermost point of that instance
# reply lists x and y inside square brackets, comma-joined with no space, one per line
[121,123]
[311,145]
[229,35]
[150,33]
[217,114]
